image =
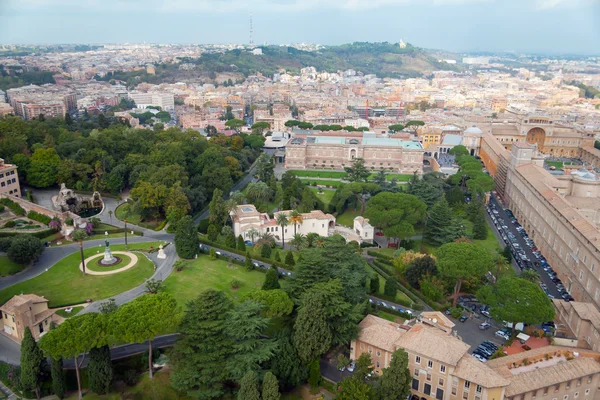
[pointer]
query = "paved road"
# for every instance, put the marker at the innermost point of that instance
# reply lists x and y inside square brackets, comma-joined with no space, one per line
[128,350]
[505,219]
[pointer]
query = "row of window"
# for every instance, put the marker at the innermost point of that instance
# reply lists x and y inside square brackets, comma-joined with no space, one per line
[430,364]
[8,182]
[9,173]
[565,397]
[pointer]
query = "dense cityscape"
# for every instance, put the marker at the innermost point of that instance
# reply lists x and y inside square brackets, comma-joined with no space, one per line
[359,221]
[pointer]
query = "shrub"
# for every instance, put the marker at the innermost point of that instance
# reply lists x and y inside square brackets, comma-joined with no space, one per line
[10,224]
[203,226]
[69,221]
[14,207]
[1,208]
[44,219]
[455,312]
[235,283]
[5,243]
[179,264]
[212,254]
[130,377]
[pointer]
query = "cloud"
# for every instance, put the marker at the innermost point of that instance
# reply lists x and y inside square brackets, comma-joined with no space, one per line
[550,4]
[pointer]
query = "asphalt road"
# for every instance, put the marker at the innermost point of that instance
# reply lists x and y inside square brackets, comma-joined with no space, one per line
[504,219]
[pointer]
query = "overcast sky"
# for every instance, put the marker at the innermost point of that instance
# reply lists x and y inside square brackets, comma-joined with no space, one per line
[541,26]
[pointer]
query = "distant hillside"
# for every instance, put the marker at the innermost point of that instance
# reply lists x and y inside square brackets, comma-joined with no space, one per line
[383,59]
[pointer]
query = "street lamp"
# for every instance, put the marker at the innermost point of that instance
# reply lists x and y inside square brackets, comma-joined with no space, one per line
[125,222]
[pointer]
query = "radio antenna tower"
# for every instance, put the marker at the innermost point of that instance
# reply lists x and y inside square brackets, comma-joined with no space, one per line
[251,39]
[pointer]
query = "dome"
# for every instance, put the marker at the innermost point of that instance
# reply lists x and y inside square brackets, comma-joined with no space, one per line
[473,131]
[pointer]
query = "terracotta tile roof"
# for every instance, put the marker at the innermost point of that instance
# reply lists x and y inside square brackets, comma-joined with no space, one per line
[475,371]
[379,332]
[433,343]
[17,301]
[43,315]
[585,311]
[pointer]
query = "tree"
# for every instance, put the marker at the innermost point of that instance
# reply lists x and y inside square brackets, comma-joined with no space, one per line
[424,190]
[186,239]
[480,226]
[352,388]
[283,221]
[58,377]
[241,245]
[289,259]
[108,306]
[265,250]
[395,213]
[291,123]
[213,232]
[364,367]
[152,315]
[260,127]
[75,336]
[248,262]
[275,302]
[246,326]
[391,288]
[154,286]
[32,363]
[314,375]
[286,364]
[374,284]
[271,279]
[458,151]
[199,356]
[357,172]
[394,383]
[235,124]
[217,212]
[24,249]
[270,387]
[312,336]
[258,193]
[396,127]
[99,369]
[461,260]
[420,267]
[507,253]
[264,168]
[249,387]
[442,227]
[79,235]
[176,204]
[515,300]
[415,124]
[43,168]
[530,275]
[295,219]
[230,240]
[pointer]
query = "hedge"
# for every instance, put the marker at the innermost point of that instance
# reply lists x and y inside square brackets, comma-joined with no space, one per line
[115,230]
[405,303]
[383,266]
[36,216]
[392,311]
[379,255]
[243,253]
[238,262]
[14,207]
[38,234]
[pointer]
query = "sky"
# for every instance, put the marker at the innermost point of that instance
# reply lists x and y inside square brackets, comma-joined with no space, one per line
[529,26]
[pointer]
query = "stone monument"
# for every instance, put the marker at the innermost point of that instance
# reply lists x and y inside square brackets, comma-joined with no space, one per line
[161,253]
[108,259]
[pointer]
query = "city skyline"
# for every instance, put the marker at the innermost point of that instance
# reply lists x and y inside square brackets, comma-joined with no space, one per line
[453,25]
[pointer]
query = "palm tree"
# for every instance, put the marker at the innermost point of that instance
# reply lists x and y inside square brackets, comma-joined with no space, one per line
[320,242]
[266,238]
[110,213]
[283,221]
[80,235]
[253,232]
[311,238]
[298,241]
[295,218]
[258,192]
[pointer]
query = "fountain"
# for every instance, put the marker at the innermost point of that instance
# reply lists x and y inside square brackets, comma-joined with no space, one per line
[108,259]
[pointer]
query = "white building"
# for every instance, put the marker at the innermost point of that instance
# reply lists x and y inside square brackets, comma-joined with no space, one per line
[246,218]
[166,101]
[356,123]
[364,229]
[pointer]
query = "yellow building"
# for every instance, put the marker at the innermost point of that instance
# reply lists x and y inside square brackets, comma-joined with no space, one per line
[26,310]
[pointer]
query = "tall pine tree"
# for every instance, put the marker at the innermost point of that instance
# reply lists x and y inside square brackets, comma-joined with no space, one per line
[442,227]
[249,387]
[100,370]
[32,363]
[202,350]
[270,387]
[480,227]
[286,365]
[271,279]
[186,240]
[58,377]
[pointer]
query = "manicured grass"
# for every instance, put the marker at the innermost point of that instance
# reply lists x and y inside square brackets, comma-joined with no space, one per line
[399,295]
[74,312]
[559,164]
[8,267]
[388,316]
[319,174]
[347,218]
[386,252]
[325,197]
[398,177]
[135,218]
[204,273]
[93,265]
[321,182]
[157,388]
[65,284]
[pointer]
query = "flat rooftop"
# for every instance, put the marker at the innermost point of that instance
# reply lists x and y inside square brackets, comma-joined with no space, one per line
[407,144]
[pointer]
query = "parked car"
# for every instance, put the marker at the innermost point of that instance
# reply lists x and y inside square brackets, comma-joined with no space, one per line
[351,366]
[463,318]
[484,326]
[479,357]
[502,334]
[248,243]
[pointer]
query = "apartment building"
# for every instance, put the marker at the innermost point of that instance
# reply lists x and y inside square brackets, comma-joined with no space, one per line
[329,150]
[9,179]
[166,101]
[578,320]
[442,368]
[30,102]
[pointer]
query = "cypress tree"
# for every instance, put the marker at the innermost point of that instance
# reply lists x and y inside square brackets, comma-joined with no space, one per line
[241,245]
[213,232]
[265,251]
[289,259]
[186,240]
[32,363]
[314,375]
[441,227]
[58,377]
[270,387]
[391,288]
[276,255]
[100,370]
[394,384]
[249,387]
[374,284]
[271,279]
[480,227]
[248,262]
[230,240]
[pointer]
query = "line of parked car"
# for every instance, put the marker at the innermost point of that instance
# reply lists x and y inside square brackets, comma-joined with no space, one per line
[540,263]
[485,351]
[240,258]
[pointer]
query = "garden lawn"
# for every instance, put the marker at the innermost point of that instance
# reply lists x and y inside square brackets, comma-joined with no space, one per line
[319,174]
[8,267]
[325,197]
[399,295]
[321,182]
[203,273]
[64,284]
[386,252]
[65,314]
[388,316]
[135,218]
[347,217]
[93,265]
[398,177]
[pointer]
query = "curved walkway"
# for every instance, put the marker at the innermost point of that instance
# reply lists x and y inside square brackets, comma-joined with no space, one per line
[132,262]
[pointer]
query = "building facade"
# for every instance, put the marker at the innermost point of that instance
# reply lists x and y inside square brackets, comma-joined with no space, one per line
[336,152]
[9,179]
[26,310]
[578,320]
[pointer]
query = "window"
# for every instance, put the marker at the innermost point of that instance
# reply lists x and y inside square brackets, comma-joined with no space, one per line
[589,379]
[418,360]
[429,364]
[443,369]
[478,389]
[416,371]
[362,346]
[377,364]
[378,353]
[465,395]
[439,394]
[453,391]
[579,380]
[440,382]
[587,391]
[427,389]
[566,397]
[467,385]
[576,395]
[454,381]
[429,376]
[415,384]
